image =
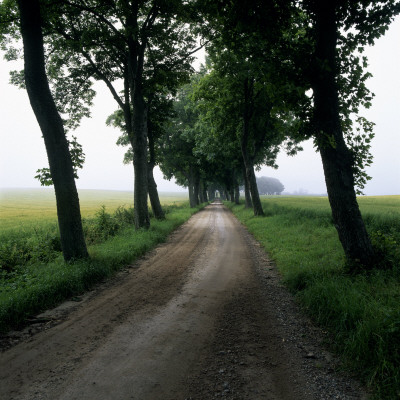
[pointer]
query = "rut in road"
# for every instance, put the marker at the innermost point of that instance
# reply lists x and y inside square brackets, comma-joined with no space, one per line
[195,319]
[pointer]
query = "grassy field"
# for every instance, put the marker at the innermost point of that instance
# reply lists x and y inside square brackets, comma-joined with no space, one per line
[25,208]
[361,312]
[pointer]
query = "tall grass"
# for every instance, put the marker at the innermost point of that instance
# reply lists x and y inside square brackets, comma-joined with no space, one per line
[362,312]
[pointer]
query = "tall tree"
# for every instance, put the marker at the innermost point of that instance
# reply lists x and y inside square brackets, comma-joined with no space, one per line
[43,105]
[333,102]
[146,45]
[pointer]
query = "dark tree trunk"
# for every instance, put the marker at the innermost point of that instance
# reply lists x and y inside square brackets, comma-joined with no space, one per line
[201,192]
[152,186]
[237,194]
[141,209]
[153,194]
[251,178]
[226,195]
[257,207]
[196,190]
[139,119]
[248,162]
[42,102]
[191,185]
[232,193]
[337,160]
[248,203]
[205,196]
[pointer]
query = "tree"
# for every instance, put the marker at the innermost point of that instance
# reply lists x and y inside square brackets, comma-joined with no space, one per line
[328,67]
[51,125]
[160,111]
[178,145]
[146,45]
[246,104]
[268,185]
[317,44]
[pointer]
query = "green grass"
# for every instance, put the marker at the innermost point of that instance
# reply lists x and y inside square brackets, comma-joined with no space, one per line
[35,276]
[361,312]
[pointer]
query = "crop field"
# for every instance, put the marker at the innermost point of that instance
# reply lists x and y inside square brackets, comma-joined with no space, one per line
[374,204]
[27,208]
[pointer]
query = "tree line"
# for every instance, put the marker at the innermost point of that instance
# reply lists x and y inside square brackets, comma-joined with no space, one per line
[277,73]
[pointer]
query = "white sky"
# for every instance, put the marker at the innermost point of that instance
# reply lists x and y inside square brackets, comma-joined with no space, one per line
[22,149]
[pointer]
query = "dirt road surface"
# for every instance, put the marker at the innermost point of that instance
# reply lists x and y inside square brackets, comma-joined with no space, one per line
[201,317]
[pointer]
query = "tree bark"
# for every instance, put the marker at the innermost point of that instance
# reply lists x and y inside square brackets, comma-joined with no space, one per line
[237,194]
[196,190]
[139,118]
[153,194]
[201,192]
[248,203]
[336,157]
[205,194]
[51,125]
[152,186]
[232,193]
[139,144]
[191,185]
[248,162]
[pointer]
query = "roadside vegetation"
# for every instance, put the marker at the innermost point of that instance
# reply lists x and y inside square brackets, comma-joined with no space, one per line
[361,311]
[34,275]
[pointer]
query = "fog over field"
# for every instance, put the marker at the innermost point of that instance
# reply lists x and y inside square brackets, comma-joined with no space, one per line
[22,150]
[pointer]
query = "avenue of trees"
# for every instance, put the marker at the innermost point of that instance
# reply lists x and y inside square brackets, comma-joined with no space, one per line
[276,73]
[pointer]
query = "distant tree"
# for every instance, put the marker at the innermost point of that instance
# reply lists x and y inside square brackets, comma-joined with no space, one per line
[270,186]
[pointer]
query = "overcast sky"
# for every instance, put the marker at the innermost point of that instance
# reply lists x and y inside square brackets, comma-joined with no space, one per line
[22,149]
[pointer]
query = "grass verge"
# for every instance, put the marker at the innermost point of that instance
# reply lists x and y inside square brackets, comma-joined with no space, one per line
[35,286]
[361,312]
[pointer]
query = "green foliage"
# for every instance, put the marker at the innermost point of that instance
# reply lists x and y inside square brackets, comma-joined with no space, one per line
[77,157]
[361,312]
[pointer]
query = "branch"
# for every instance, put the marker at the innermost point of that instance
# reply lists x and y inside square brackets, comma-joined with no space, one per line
[99,16]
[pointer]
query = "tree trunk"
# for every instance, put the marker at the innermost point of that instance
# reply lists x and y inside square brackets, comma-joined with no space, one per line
[248,203]
[191,185]
[247,161]
[201,192]
[336,158]
[251,178]
[138,140]
[232,193]
[42,102]
[237,194]
[196,190]
[141,209]
[152,186]
[153,194]
[205,196]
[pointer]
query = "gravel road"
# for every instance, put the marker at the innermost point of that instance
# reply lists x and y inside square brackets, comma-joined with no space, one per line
[203,316]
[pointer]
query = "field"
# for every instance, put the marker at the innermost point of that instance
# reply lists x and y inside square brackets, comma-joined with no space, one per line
[25,208]
[360,311]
